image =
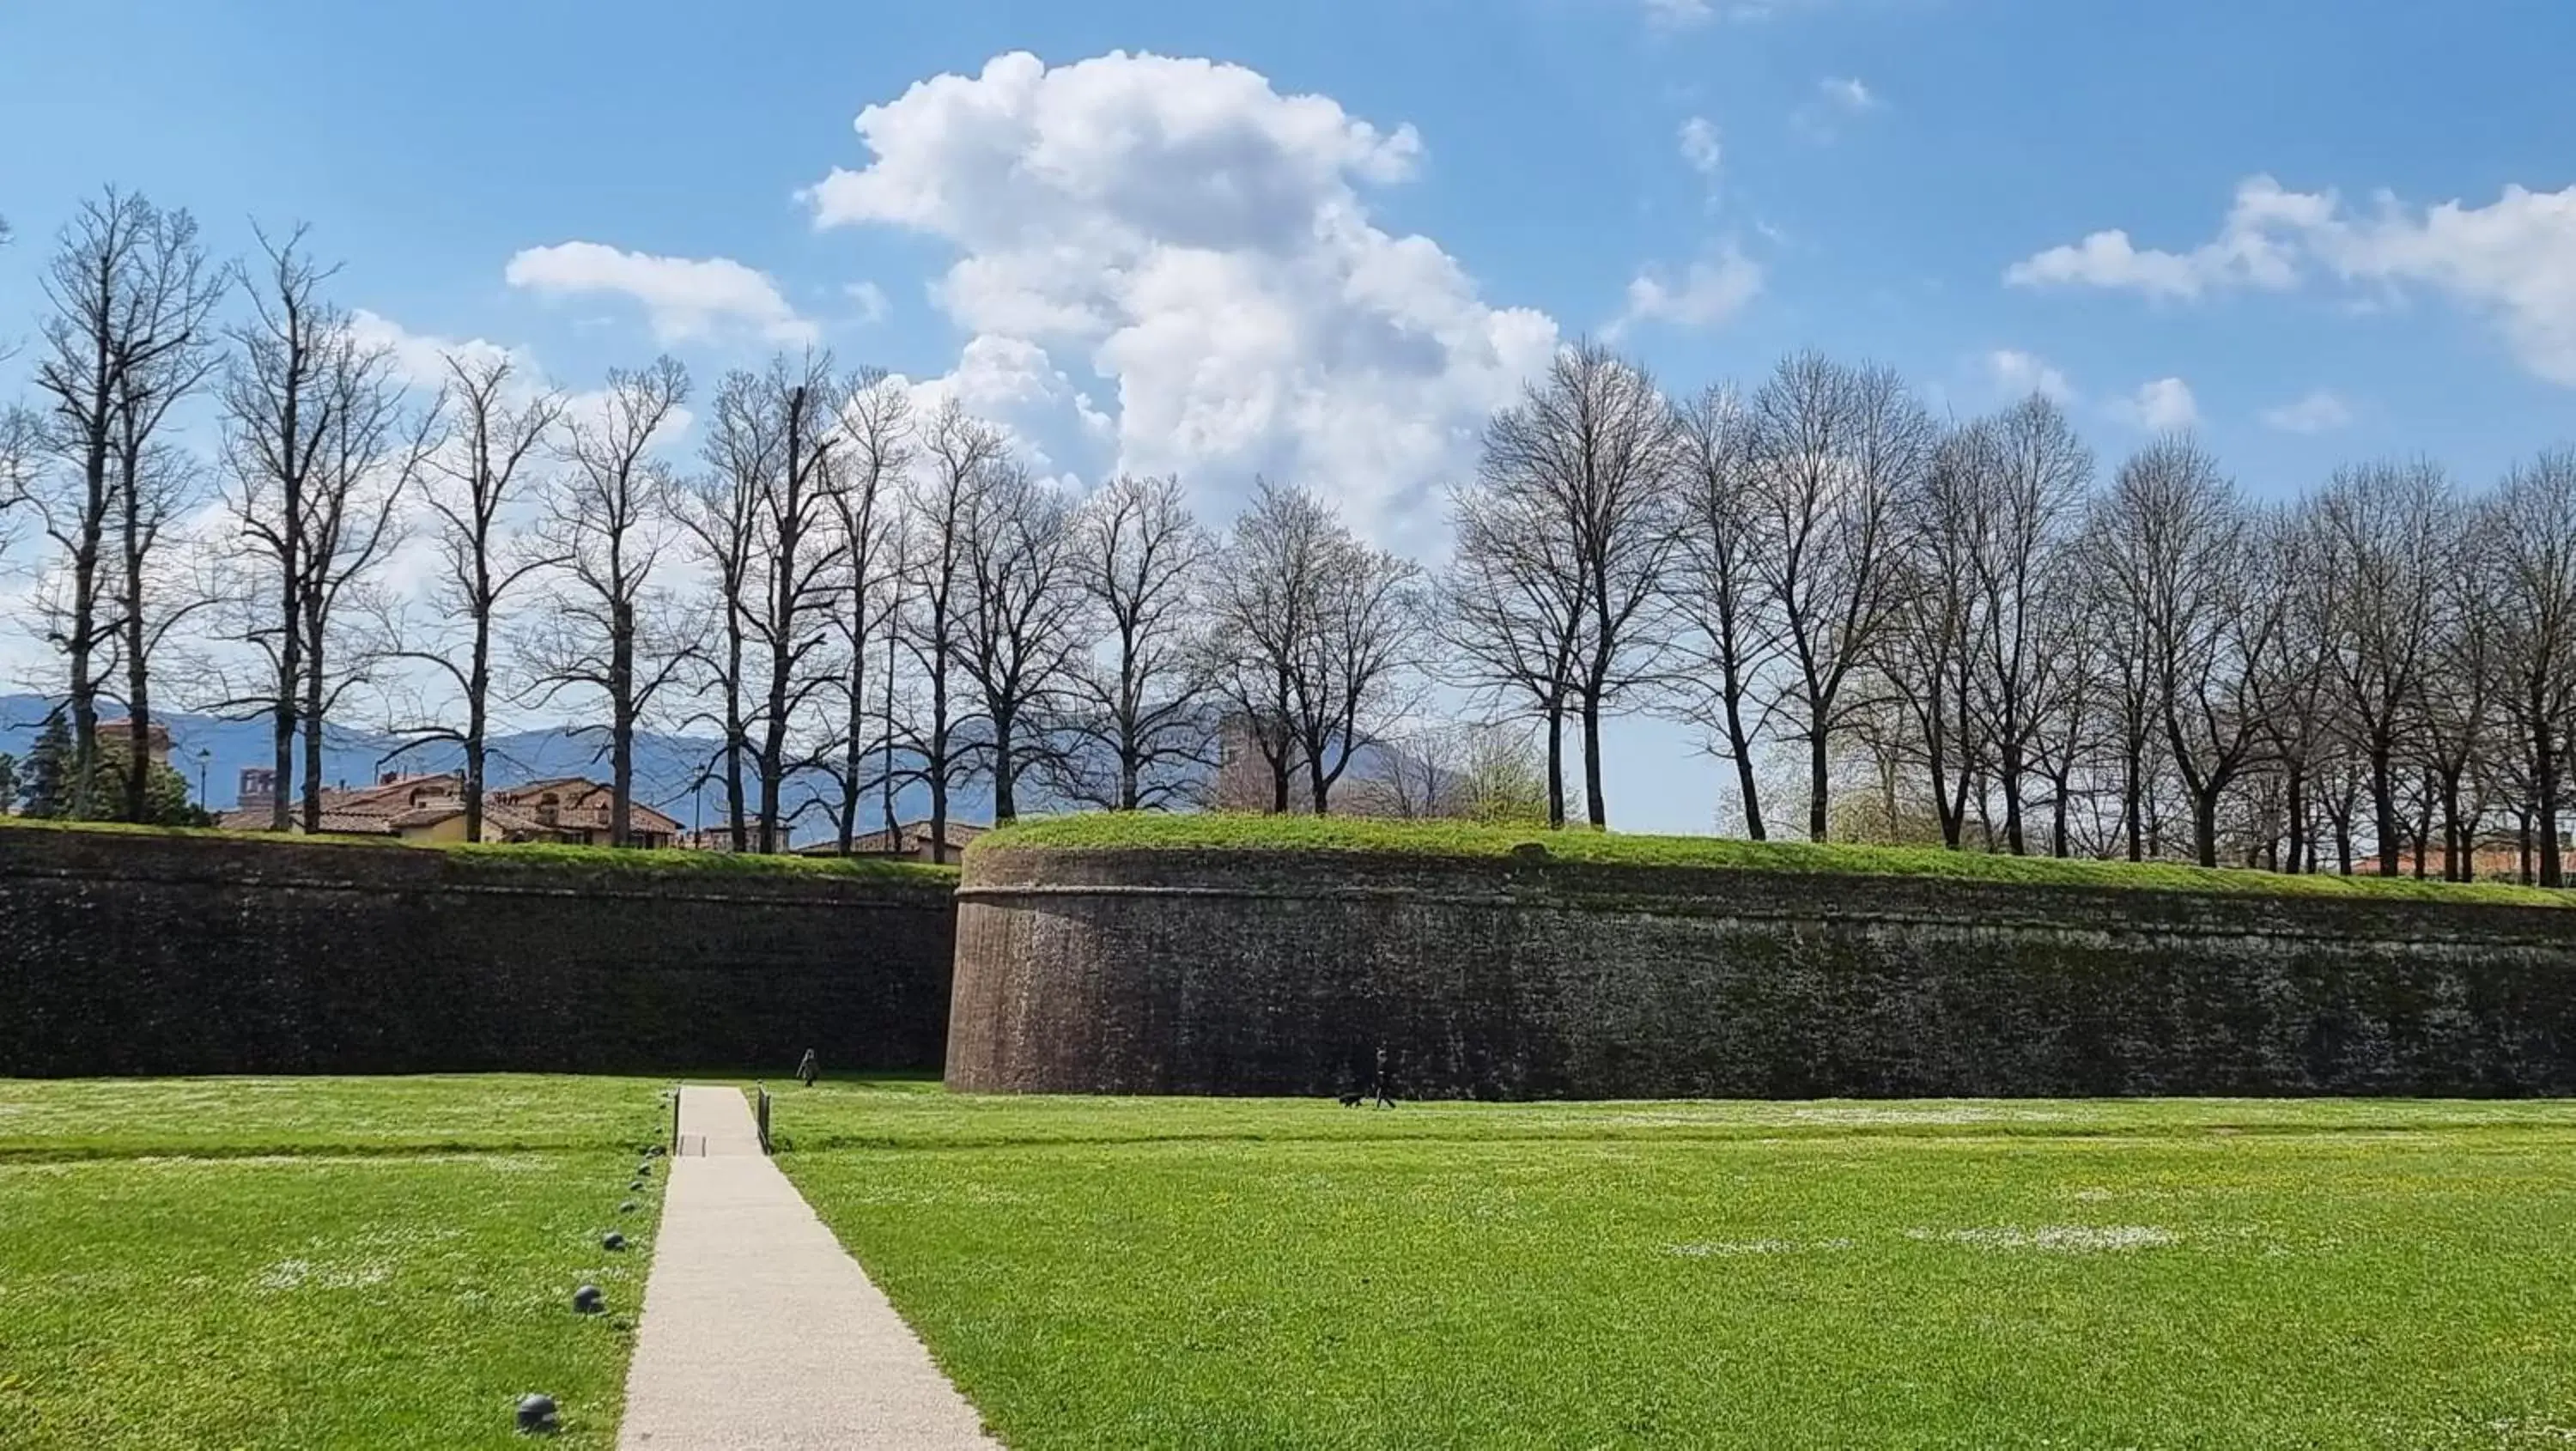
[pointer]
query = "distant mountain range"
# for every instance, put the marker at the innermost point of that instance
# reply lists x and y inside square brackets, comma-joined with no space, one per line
[666,766]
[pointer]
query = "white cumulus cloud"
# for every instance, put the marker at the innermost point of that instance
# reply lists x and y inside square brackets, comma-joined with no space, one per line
[1684,14]
[421,359]
[2512,261]
[1847,93]
[684,298]
[2319,411]
[1202,243]
[1710,291]
[1699,145]
[2162,406]
[2255,248]
[2019,374]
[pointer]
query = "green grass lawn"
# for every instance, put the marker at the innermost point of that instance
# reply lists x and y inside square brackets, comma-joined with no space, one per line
[318,1262]
[1233,831]
[670,861]
[1196,1273]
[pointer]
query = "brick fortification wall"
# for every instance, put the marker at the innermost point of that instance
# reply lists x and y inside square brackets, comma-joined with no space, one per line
[126,953]
[1213,972]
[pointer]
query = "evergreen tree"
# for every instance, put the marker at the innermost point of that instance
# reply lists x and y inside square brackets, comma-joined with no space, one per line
[166,798]
[8,783]
[46,790]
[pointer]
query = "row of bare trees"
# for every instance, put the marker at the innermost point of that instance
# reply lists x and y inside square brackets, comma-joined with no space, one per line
[851,590]
[1891,624]
[1958,624]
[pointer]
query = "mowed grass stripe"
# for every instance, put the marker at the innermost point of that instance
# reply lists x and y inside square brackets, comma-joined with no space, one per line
[2394,1286]
[1246,832]
[168,1279]
[443,1113]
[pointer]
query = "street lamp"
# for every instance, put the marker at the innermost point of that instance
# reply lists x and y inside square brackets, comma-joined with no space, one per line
[204,756]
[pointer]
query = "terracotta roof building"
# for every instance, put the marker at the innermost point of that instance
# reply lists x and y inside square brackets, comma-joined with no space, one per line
[910,842]
[430,807]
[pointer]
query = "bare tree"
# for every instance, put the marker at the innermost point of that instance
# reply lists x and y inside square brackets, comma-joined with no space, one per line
[1499,777]
[2464,681]
[368,456]
[128,335]
[2298,706]
[1835,449]
[864,485]
[1593,450]
[277,414]
[1349,667]
[2033,501]
[2078,630]
[1265,609]
[1138,726]
[615,629]
[959,454]
[2532,524]
[1023,622]
[22,447]
[160,590]
[720,511]
[1717,582]
[2385,529]
[799,558]
[1932,654]
[2187,557]
[1511,610]
[474,483]
[1417,773]
[764,521]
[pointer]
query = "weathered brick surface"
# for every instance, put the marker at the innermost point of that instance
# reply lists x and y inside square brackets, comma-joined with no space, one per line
[1216,972]
[128,954]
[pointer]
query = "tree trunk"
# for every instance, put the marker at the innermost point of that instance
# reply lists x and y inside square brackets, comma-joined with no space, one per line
[138,675]
[621,733]
[282,734]
[2296,808]
[1596,805]
[477,694]
[2133,800]
[1819,784]
[138,710]
[737,741]
[2459,857]
[2204,824]
[939,816]
[1006,800]
[1131,770]
[2012,773]
[2423,835]
[81,646]
[1953,818]
[2545,776]
[313,666]
[937,766]
[1739,744]
[1556,768]
[2383,805]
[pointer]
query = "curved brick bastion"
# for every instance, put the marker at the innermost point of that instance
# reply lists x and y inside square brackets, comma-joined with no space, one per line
[1088,970]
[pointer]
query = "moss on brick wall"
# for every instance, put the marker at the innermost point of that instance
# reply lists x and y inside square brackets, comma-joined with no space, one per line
[1214,971]
[137,952]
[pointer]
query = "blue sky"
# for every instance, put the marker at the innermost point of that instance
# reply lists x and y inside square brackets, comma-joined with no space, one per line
[1879,178]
